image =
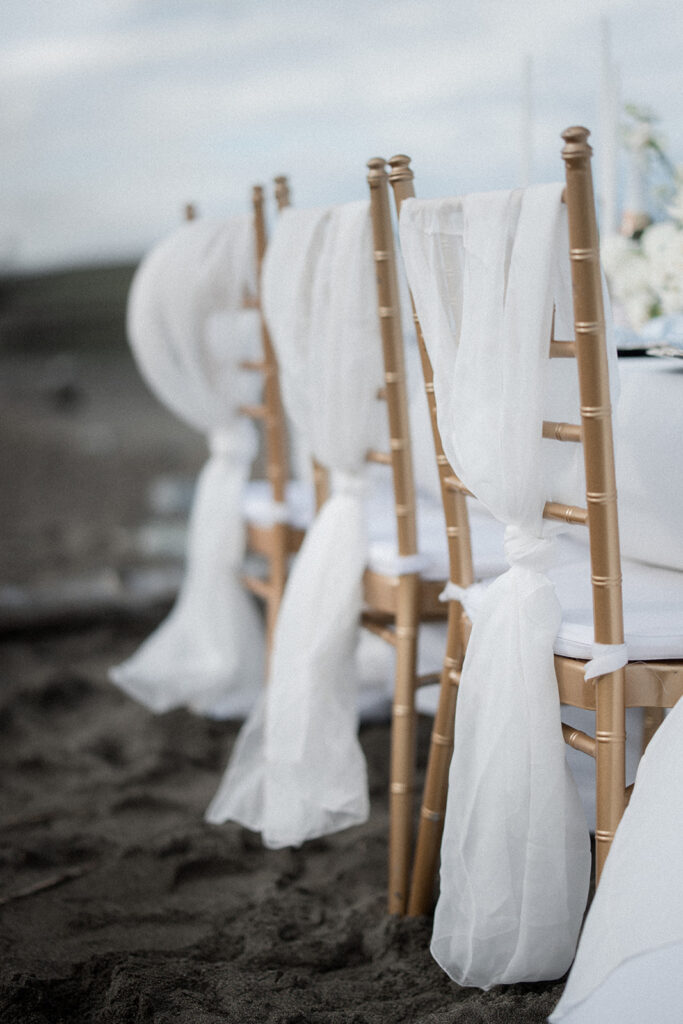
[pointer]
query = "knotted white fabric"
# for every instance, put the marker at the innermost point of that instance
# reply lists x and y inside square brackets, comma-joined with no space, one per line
[606,658]
[486,272]
[629,960]
[297,771]
[188,332]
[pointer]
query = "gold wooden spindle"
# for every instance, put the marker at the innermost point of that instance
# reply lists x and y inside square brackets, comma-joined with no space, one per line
[562,431]
[461,571]
[433,807]
[257,365]
[282,192]
[254,412]
[565,513]
[404,717]
[455,486]
[578,740]
[596,422]
[380,458]
[321,484]
[274,436]
[562,349]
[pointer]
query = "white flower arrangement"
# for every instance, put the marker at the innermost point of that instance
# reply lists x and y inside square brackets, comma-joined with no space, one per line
[646,275]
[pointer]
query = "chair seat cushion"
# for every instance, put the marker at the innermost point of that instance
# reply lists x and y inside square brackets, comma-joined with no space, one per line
[653,610]
[257,503]
[653,606]
[487,538]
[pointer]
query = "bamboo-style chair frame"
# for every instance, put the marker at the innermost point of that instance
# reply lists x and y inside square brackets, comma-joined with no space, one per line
[276,542]
[652,686]
[396,605]
[649,685]
[461,572]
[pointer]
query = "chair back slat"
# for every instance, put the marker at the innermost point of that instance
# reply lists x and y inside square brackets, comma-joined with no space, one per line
[565,513]
[562,431]
[378,457]
[562,349]
[282,194]
[394,362]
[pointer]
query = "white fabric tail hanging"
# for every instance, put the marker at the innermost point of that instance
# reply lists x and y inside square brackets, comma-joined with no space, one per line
[298,770]
[515,863]
[188,333]
[628,966]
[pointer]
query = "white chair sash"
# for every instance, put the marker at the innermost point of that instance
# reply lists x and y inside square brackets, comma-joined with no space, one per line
[486,273]
[298,770]
[188,334]
[628,964]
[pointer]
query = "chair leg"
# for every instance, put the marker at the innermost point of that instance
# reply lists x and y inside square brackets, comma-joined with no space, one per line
[610,767]
[403,730]
[652,719]
[435,792]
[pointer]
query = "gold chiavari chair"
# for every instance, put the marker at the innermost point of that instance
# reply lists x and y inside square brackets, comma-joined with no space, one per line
[652,684]
[274,538]
[397,603]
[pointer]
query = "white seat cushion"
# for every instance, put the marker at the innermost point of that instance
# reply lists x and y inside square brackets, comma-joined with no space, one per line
[487,538]
[653,606]
[653,610]
[257,504]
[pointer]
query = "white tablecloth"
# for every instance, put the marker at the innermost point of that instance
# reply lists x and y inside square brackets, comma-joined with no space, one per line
[648,437]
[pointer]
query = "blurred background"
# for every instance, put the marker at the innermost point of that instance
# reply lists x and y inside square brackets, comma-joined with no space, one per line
[115,113]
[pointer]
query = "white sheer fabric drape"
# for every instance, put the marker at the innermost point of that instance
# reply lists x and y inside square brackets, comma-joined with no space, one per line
[629,964]
[188,332]
[297,770]
[486,272]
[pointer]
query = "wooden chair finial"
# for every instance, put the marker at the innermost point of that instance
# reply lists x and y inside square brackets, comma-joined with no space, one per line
[576,143]
[376,169]
[282,194]
[400,168]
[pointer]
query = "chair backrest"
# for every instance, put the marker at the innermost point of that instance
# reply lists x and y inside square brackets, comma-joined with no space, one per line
[595,430]
[488,341]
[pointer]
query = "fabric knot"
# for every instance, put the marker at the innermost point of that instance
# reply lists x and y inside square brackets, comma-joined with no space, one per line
[407,564]
[528,549]
[353,484]
[606,658]
[453,592]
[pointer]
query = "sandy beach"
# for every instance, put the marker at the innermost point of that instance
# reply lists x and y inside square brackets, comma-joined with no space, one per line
[117,902]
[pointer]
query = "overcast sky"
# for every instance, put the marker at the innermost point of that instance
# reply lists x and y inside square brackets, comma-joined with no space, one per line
[114,113]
